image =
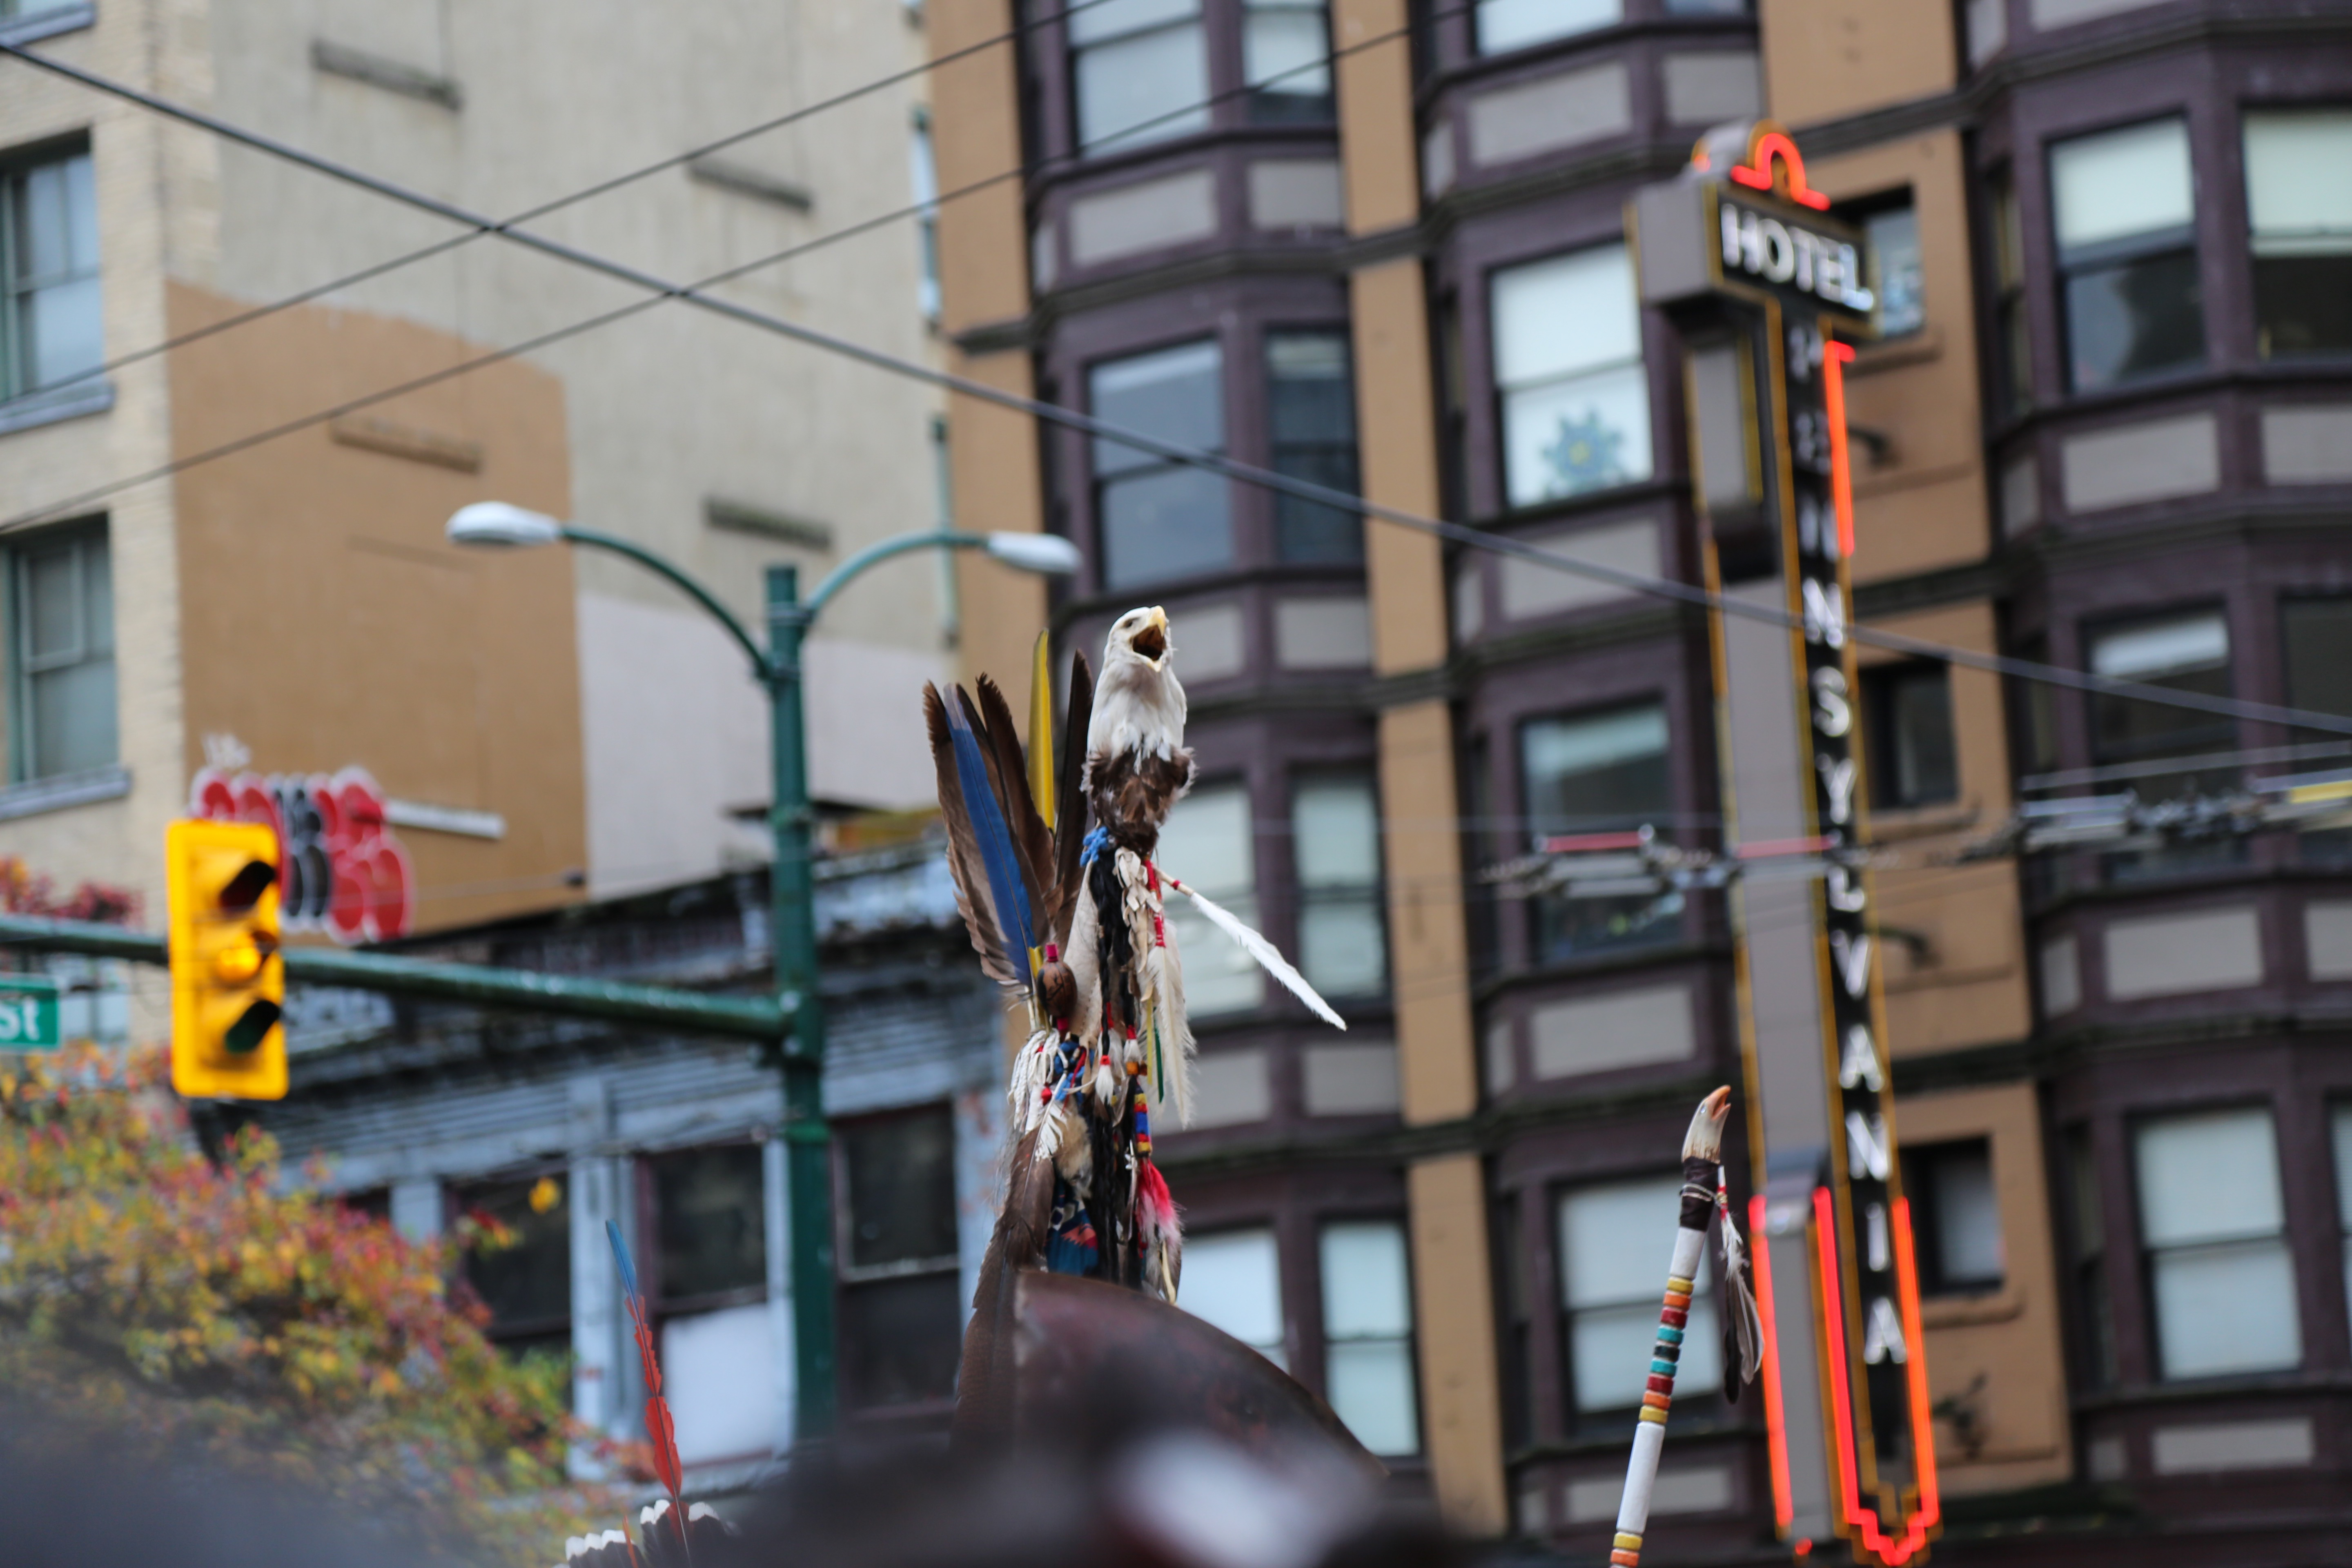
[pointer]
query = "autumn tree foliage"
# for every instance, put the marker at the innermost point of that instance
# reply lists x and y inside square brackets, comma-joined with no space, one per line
[213,1308]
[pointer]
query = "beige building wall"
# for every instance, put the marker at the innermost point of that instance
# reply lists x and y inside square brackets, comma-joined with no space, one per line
[325,622]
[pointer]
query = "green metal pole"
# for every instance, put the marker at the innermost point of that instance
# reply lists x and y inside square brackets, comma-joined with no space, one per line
[808,1151]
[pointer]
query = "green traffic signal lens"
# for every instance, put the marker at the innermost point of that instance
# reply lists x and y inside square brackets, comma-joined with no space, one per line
[252,1026]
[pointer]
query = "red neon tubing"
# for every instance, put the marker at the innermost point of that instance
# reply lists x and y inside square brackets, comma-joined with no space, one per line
[1891,1551]
[1774,145]
[1834,356]
[1776,1427]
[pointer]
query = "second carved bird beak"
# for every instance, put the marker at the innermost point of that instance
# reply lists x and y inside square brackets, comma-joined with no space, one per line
[1151,642]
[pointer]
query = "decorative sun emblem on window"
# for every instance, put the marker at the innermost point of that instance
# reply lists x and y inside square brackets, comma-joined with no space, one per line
[1585,455]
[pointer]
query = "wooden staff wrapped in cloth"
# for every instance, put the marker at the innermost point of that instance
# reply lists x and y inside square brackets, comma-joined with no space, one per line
[1703,1192]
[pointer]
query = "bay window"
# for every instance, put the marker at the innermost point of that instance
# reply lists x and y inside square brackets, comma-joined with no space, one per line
[1613,1243]
[1596,773]
[1335,839]
[1285,63]
[2212,1219]
[1232,1282]
[1142,72]
[2299,202]
[1516,24]
[1160,520]
[1208,842]
[1368,1372]
[1568,368]
[2126,221]
[1311,421]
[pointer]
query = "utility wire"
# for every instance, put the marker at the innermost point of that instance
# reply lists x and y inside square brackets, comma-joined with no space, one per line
[603,187]
[1171,451]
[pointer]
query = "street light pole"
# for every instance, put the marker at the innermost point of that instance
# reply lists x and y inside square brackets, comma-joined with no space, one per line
[791,885]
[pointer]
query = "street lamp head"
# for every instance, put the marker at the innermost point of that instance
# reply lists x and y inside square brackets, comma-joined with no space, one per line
[496,525]
[1048,555]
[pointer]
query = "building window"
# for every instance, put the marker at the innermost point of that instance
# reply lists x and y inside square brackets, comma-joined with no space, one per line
[1285,60]
[2086,1220]
[2300,205]
[62,652]
[1368,1372]
[524,1278]
[1207,841]
[1142,71]
[923,177]
[1596,773]
[2014,339]
[2127,253]
[2187,652]
[1908,707]
[1955,1218]
[2343,1131]
[48,241]
[1612,1240]
[1516,24]
[1335,839]
[2221,1277]
[2318,637]
[708,1295]
[1232,1282]
[1567,359]
[901,1296]
[1161,520]
[1312,419]
[1893,228]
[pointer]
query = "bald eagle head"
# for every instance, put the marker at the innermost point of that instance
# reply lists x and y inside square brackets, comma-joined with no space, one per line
[1139,702]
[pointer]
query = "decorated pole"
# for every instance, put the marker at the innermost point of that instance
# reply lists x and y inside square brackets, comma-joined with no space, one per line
[1702,1193]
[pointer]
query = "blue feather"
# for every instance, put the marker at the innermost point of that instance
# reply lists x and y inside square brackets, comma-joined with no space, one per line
[1005,887]
[621,1256]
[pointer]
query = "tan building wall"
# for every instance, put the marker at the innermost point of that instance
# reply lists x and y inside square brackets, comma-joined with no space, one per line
[325,620]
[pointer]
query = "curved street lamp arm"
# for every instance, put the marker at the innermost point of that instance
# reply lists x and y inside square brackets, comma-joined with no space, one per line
[763,668]
[943,539]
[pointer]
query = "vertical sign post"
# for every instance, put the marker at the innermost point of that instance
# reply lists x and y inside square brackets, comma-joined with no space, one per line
[1771,292]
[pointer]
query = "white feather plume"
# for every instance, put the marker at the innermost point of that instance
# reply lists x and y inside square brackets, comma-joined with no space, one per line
[1085,959]
[1175,1031]
[1269,958]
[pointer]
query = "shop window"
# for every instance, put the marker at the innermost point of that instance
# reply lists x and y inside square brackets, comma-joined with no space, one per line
[1567,366]
[2221,1277]
[1612,1241]
[527,1285]
[1955,1218]
[1232,1280]
[1142,68]
[2014,333]
[1311,418]
[2087,1233]
[1207,841]
[62,651]
[1336,837]
[1908,709]
[1597,773]
[2299,200]
[707,1292]
[1285,60]
[1368,1372]
[1161,520]
[1516,24]
[901,1296]
[2127,253]
[49,238]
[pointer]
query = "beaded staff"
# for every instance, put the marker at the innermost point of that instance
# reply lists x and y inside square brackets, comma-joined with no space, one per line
[1703,1194]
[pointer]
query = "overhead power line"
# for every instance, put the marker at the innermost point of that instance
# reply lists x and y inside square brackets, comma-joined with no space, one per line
[587,193]
[1212,462]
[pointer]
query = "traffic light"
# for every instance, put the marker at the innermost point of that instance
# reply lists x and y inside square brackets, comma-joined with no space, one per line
[228,982]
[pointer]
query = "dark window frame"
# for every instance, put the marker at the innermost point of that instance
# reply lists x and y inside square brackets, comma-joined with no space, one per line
[1333,894]
[1882,708]
[2256,269]
[1402,1222]
[1273,454]
[1927,1219]
[852,1280]
[16,165]
[464,1197]
[660,1304]
[1860,213]
[2129,253]
[2145,1256]
[1661,926]
[25,762]
[1098,485]
[1575,1420]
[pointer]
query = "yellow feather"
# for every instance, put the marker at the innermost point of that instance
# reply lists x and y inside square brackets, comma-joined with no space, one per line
[1041,728]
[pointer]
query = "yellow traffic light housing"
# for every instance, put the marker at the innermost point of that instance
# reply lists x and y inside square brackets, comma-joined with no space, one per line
[228,983]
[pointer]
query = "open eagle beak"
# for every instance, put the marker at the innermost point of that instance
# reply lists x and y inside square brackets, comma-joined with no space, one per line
[1151,642]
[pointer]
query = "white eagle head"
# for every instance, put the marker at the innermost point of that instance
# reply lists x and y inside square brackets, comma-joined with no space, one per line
[1139,702]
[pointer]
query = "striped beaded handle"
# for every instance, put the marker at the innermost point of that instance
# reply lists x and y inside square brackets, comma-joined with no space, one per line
[1702,1162]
